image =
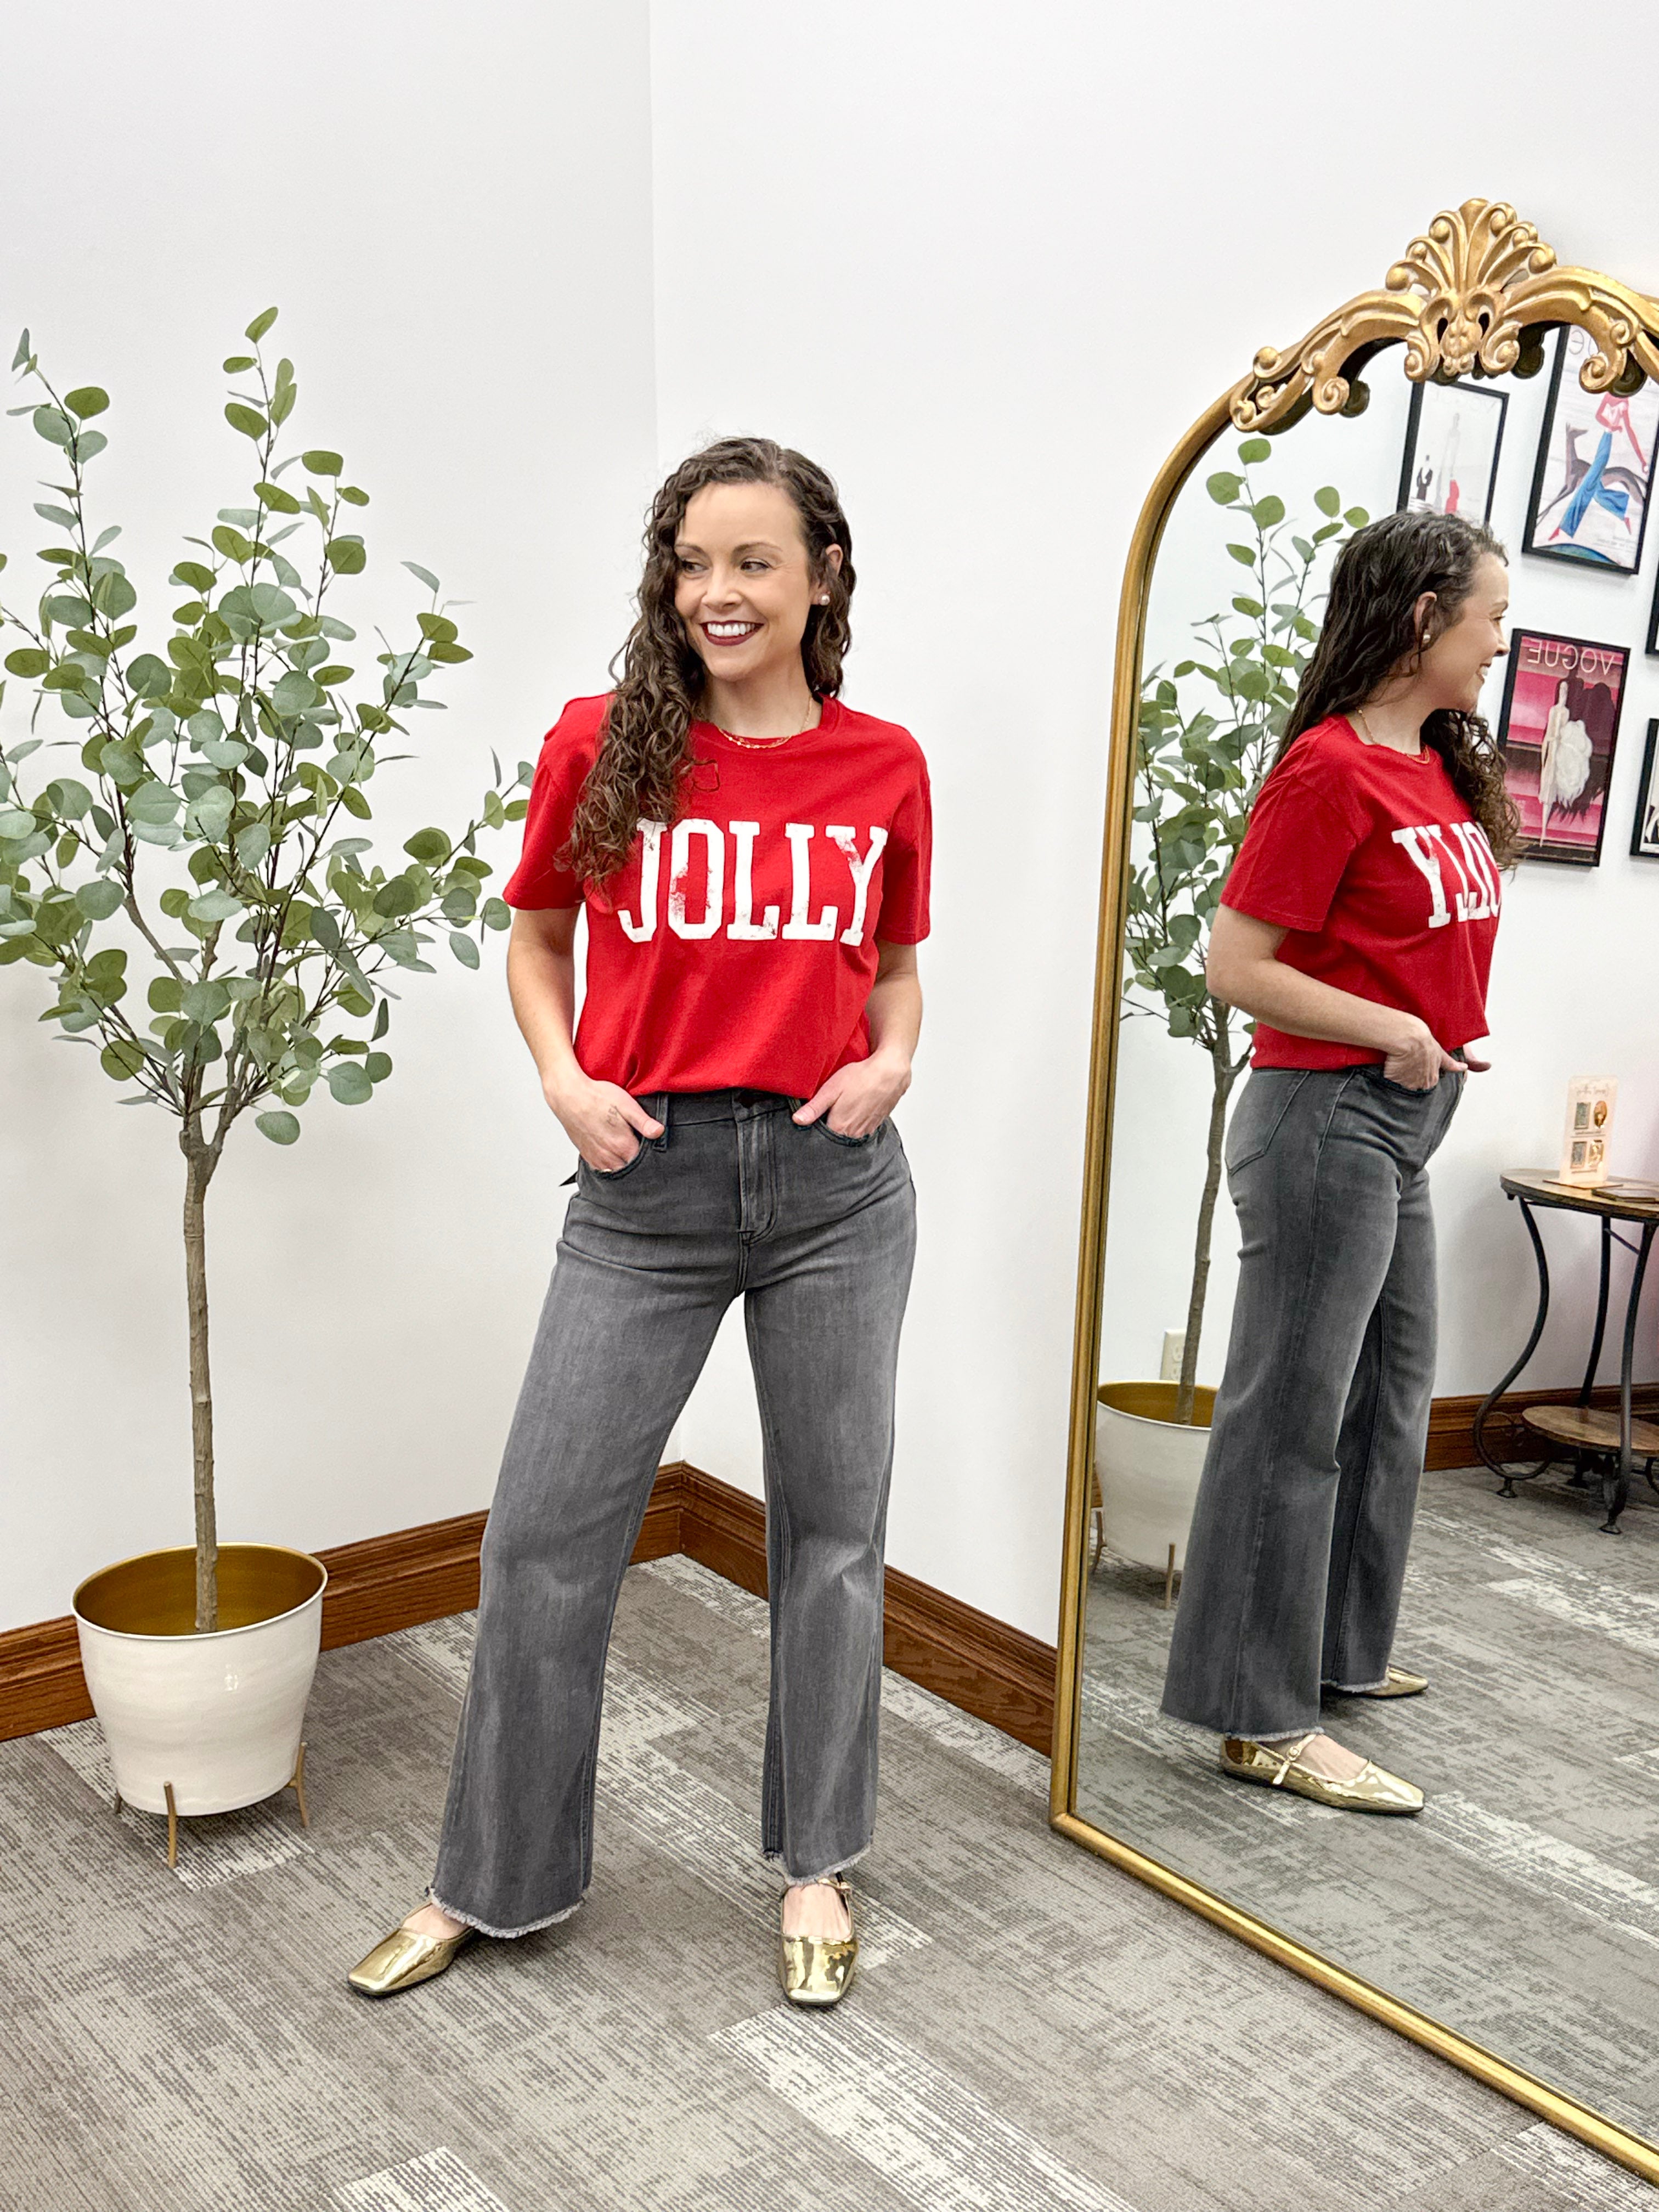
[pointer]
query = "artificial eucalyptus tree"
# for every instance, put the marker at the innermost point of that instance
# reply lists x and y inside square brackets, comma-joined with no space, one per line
[216,838]
[1208,732]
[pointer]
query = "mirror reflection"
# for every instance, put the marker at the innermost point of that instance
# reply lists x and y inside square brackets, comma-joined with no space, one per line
[1372,1600]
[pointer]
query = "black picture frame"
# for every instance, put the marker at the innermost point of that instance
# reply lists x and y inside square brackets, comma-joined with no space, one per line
[1646,798]
[1466,389]
[1577,556]
[1599,776]
[1653,623]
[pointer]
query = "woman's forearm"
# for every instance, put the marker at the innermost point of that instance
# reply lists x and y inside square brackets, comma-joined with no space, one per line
[893,1011]
[1268,991]
[541,981]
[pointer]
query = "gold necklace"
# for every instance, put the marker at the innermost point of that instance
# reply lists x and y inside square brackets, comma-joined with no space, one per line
[765,744]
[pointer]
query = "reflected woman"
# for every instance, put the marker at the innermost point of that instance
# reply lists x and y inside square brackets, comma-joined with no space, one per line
[1357,928]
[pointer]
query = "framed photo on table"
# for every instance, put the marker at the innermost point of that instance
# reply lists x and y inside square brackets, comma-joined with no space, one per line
[1453,435]
[1562,698]
[1595,475]
[1645,830]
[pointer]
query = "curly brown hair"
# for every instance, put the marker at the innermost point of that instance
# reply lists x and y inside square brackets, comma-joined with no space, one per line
[1371,634]
[644,750]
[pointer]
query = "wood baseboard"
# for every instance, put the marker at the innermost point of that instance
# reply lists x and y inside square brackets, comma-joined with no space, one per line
[1451,1421]
[391,1581]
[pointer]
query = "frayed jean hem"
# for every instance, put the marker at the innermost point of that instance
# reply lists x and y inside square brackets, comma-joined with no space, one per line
[775,1860]
[471,1920]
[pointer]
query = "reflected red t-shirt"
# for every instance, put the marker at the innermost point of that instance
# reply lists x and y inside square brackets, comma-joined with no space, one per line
[736,947]
[1370,863]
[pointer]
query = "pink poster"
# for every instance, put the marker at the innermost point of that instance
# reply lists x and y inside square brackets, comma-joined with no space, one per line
[1560,723]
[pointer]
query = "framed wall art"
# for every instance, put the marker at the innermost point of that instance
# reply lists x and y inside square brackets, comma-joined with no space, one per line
[1645,830]
[1453,435]
[1595,472]
[1558,731]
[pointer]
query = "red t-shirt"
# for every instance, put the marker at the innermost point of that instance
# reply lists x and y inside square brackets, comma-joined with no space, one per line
[1368,859]
[738,947]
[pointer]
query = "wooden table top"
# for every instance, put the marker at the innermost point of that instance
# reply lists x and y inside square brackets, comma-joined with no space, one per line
[1616,1199]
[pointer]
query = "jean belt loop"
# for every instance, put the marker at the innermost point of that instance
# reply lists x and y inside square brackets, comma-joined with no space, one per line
[659,1112]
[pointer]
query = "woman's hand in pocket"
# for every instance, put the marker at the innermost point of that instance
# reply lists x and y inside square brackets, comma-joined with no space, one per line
[858,1098]
[606,1125]
[1417,1059]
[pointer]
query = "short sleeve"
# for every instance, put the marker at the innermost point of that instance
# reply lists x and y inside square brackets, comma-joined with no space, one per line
[567,753]
[1295,851]
[907,865]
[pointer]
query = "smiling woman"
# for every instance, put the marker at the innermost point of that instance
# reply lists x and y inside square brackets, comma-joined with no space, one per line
[747,1030]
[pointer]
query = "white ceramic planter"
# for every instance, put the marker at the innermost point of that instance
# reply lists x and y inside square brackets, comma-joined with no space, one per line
[217,1716]
[1148,1465]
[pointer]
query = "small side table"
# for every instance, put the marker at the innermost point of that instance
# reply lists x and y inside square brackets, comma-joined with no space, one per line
[1612,1444]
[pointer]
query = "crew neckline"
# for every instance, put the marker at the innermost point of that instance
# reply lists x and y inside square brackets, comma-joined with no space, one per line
[826,722]
[1375,746]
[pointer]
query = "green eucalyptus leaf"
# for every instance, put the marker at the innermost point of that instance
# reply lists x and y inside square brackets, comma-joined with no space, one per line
[86,400]
[282,1128]
[273,495]
[261,323]
[54,426]
[193,575]
[1223,486]
[464,949]
[247,420]
[319,462]
[28,660]
[430,846]
[425,575]
[347,555]
[123,1059]
[349,1085]
[99,899]
[1328,500]
[1253,450]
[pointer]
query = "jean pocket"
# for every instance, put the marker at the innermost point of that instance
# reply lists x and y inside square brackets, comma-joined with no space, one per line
[616,1175]
[1257,1117]
[853,1143]
[1402,1090]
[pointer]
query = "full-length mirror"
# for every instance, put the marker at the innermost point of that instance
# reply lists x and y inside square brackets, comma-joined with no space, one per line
[1364,1612]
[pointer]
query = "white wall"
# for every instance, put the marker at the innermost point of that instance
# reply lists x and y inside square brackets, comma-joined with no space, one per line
[951,254]
[956,255]
[452,207]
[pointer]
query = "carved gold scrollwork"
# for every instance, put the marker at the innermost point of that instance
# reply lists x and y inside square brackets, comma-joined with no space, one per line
[1472,296]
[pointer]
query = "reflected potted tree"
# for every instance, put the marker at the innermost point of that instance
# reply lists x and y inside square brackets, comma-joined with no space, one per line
[1207,732]
[203,900]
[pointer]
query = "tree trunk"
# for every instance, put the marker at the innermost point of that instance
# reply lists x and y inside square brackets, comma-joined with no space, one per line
[200,1161]
[1225,1076]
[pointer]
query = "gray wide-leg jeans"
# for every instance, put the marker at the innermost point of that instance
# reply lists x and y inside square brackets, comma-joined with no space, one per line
[818,1233]
[1298,1543]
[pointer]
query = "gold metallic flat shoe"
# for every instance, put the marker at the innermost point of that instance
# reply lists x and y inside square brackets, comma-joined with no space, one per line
[405,1958]
[816,1970]
[1398,1684]
[1278,1766]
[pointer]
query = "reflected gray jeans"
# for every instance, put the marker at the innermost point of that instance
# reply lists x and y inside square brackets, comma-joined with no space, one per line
[818,1233]
[1298,1543]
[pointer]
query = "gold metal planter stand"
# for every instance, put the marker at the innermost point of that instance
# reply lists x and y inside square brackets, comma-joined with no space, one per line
[296,1783]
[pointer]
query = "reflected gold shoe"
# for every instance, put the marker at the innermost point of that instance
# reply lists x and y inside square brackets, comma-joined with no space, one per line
[1398,1684]
[1278,1766]
[816,1970]
[404,1958]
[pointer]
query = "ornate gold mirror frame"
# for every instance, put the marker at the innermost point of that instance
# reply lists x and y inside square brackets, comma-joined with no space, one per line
[1478,293]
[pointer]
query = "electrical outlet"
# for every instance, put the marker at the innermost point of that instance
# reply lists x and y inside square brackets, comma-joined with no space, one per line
[1174,1345]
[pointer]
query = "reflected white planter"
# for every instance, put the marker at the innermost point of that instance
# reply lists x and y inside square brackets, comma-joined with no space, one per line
[1148,1465]
[217,1716]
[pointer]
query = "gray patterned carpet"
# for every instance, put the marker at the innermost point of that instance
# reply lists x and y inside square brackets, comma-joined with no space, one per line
[1031,2032]
[1521,1906]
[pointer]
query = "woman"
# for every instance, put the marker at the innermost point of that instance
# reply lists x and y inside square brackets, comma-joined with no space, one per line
[752,858]
[1563,761]
[1357,927]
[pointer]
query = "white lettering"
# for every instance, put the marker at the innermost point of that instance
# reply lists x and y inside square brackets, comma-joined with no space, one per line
[1420,853]
[679,866]
[642,931]
[1484,898]
[799,834]
[862,870]
[743,922]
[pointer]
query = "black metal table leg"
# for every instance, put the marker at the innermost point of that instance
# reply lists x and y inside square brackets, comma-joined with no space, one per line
[1507,1489]
[1615,1482]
